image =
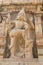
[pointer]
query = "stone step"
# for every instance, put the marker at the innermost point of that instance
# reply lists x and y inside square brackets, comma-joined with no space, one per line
[15,62]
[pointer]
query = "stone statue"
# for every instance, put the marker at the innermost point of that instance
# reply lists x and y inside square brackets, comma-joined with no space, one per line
[19,35]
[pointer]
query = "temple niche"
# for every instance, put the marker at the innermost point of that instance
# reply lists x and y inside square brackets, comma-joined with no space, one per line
[21,43]
[19,36]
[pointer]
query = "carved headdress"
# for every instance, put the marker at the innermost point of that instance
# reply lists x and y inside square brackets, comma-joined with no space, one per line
[21,15]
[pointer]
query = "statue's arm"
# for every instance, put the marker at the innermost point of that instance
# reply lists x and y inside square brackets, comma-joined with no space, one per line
[26,25]
[11,45]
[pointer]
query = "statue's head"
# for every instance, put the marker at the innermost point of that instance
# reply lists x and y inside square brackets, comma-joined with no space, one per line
[21,16]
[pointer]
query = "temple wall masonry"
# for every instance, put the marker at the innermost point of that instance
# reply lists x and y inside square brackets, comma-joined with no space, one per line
[22,25]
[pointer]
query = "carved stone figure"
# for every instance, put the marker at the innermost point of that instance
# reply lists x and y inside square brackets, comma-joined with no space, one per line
[19,36]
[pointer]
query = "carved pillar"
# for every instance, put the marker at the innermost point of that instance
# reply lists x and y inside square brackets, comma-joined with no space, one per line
[38,27]
[34,49]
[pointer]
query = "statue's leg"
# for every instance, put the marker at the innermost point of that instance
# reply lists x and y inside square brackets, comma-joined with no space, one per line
[13,49]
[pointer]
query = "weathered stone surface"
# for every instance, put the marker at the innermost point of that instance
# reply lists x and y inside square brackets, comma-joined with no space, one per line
[20,37]
[21,24]
[6,2]
[21,15]
[20,1]
[28,49]
[38,27]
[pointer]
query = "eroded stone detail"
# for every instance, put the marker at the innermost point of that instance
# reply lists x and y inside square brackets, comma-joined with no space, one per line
[20,37]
